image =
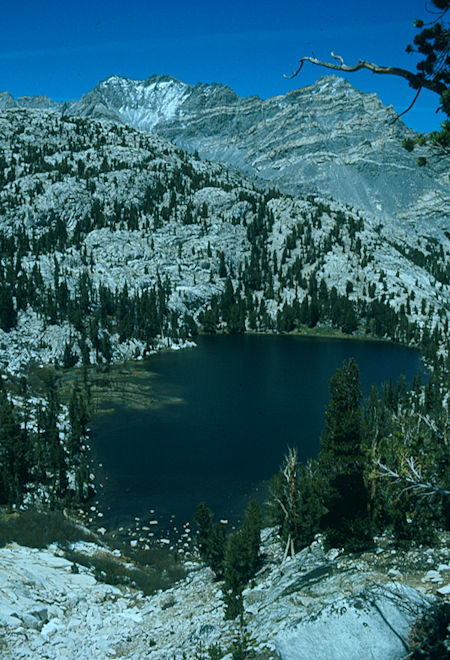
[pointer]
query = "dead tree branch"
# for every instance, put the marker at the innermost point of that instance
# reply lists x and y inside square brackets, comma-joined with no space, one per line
[409,106]
[415,80]
[411,476]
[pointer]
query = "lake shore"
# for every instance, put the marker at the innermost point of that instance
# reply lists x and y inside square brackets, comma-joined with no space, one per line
[133,384]
[212,423]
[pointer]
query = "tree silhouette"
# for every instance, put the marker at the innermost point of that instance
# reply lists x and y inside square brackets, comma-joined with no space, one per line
[346,521]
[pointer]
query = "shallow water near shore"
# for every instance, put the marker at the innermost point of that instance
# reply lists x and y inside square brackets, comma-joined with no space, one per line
[219,420]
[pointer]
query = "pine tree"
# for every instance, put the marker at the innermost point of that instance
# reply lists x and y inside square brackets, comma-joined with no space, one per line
[14,467]
[8,314]
[251,528]
[55,455]
[241,559]
[78,418]
[284,502]
[203,521]
[342,461]
[310,502]
[70,358]
[222,266]
[235,565]
[215,549]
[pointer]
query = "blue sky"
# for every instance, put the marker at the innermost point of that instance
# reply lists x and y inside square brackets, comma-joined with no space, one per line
[62,49]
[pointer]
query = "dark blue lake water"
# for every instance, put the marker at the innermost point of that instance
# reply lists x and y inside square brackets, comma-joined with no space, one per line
[237,404]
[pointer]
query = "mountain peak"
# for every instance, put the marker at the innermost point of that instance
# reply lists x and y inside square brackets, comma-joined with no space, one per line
[7,101]
[163,78]
[39,101]
[123,82]
[326,137]
[138,103]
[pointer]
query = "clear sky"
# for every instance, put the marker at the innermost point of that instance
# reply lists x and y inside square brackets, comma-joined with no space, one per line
[62,48]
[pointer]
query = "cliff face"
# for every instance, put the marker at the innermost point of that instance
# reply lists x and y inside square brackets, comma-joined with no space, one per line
[327,138]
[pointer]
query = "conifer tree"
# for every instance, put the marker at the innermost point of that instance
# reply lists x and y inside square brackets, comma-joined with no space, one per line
[235,565]
[241,558]
[283,502]
[203,521]
[251,528]
[70,358]
[78,418]
[310,502]
[342,461]
[295,505]
[8,314]
[13,452]
[215,549]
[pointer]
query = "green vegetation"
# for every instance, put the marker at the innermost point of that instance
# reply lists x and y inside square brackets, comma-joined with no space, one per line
[383,464]
[43,459]
[342,464]
[295,504]
[234,558]
[38,529]
[433,71]
[146,570]
[429,634]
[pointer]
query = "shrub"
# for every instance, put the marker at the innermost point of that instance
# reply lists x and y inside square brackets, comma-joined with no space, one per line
[149,578]
[37,529]
[430,637]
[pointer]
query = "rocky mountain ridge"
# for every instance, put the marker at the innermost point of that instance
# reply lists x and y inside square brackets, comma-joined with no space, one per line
[89,201]
[327,138]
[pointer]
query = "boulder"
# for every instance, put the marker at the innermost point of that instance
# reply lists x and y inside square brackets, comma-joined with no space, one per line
[374,623]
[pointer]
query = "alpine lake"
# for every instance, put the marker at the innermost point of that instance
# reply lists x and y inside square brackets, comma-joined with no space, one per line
[213,423]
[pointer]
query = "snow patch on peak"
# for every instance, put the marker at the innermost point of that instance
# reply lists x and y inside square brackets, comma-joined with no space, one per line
[332,84]
[114,80]
[152,104]
[143,103]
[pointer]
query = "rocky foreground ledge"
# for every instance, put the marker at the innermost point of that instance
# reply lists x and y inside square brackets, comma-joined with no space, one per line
[316,605]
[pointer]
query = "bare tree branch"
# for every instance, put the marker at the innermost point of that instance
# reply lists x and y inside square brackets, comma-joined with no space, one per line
[409,106]
[411,476]
[415,80]
[440,13]
[287,501]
